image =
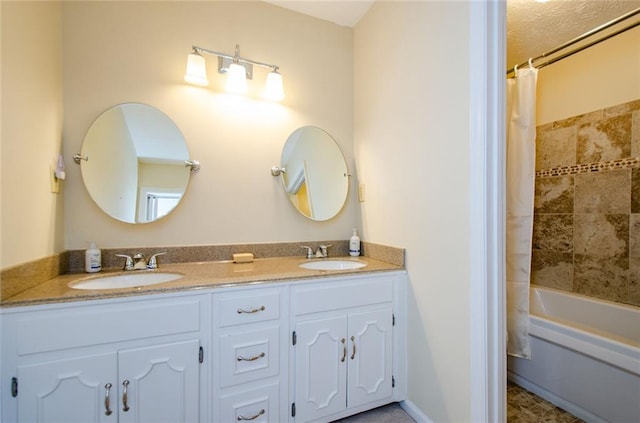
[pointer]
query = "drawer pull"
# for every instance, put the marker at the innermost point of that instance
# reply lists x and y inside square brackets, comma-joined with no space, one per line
[260,413]
[107,402]
[344,350]
[254,358]
[353,342]
[251,310]
[125,399]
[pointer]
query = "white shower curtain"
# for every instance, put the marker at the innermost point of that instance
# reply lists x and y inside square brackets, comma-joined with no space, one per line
[521,136]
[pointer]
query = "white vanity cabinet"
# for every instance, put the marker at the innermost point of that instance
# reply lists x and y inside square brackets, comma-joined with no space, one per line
[250,354]
[302,350]
[346,351]
[106,361]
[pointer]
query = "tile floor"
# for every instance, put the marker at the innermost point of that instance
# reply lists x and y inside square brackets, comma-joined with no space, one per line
[391,413]
[526,407]
[522,407]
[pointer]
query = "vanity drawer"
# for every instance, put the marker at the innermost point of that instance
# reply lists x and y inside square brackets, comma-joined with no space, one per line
[247,307]
[84,326]
[246,356]
[339,295]
[259,405]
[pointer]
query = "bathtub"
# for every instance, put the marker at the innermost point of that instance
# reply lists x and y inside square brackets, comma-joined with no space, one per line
[585,356]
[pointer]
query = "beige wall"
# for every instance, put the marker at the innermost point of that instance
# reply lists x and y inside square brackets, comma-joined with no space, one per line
[118,52]
[601,76]
[411,143]
[411,133]
[32,217]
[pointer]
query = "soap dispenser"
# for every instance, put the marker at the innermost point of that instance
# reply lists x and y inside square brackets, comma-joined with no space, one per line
[354,244]
[92,259]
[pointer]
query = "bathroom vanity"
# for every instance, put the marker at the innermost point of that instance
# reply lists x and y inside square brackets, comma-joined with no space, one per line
[261,348]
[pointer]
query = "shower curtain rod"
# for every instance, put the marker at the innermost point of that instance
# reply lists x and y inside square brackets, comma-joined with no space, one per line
[582,37]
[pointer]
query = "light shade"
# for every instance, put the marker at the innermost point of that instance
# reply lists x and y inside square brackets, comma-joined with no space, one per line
[274,90]
[236,79]
[196,72]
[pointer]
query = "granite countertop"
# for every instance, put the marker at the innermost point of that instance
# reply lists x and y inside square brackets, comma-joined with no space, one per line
[201,275]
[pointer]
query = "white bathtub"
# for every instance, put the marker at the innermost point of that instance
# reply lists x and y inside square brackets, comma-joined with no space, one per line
[585,356]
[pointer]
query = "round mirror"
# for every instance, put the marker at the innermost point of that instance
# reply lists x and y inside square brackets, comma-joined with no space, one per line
[315,173]
[133,163]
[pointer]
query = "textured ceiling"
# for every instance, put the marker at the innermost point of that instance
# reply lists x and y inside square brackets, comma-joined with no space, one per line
[533,27]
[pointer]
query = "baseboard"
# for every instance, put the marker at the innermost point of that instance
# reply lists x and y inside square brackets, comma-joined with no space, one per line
[414,412]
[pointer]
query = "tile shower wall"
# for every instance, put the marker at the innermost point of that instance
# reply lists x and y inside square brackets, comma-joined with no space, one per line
[586,230]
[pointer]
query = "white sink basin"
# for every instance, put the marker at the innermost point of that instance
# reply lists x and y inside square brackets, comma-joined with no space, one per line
[128,280]
[332,264]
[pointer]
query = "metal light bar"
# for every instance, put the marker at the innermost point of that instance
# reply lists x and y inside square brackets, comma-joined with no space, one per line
[235,58]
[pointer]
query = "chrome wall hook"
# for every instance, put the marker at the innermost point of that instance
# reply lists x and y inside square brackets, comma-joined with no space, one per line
[277,171]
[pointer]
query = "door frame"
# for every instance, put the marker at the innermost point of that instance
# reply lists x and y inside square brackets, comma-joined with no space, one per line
[487,35]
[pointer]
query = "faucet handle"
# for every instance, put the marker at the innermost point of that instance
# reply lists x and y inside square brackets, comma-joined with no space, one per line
[153,263]
[128,265]
[323,249]
[309,251]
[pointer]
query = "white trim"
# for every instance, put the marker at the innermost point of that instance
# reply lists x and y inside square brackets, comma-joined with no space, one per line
[487,164]
[414,412]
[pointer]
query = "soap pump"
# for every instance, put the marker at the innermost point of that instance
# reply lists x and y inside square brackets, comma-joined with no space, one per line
[92,259]
[354,244]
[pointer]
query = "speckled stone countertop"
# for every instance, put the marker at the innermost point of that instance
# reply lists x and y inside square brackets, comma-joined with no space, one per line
[197,276]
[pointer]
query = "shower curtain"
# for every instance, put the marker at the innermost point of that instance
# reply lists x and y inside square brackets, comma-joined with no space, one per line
[521,136]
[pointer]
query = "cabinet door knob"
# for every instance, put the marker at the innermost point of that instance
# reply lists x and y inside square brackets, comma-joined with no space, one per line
[353,343]
[254,358]
[125,399]
[107,402]
[344,350]
[260,413]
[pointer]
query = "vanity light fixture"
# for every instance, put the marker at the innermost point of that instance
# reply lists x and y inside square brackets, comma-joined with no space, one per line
[238,70]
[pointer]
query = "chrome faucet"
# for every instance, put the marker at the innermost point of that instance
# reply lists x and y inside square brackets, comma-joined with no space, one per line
[138,261]
[321,251]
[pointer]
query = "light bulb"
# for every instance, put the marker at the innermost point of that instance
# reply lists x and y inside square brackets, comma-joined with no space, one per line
[237,79]
[273,90]
[196,72]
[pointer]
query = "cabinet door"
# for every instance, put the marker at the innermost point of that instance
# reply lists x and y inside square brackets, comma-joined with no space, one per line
[68,391]
[320,368]
[160,383]
[370,356]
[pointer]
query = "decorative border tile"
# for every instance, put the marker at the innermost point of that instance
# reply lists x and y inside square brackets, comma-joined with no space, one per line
[628,163]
